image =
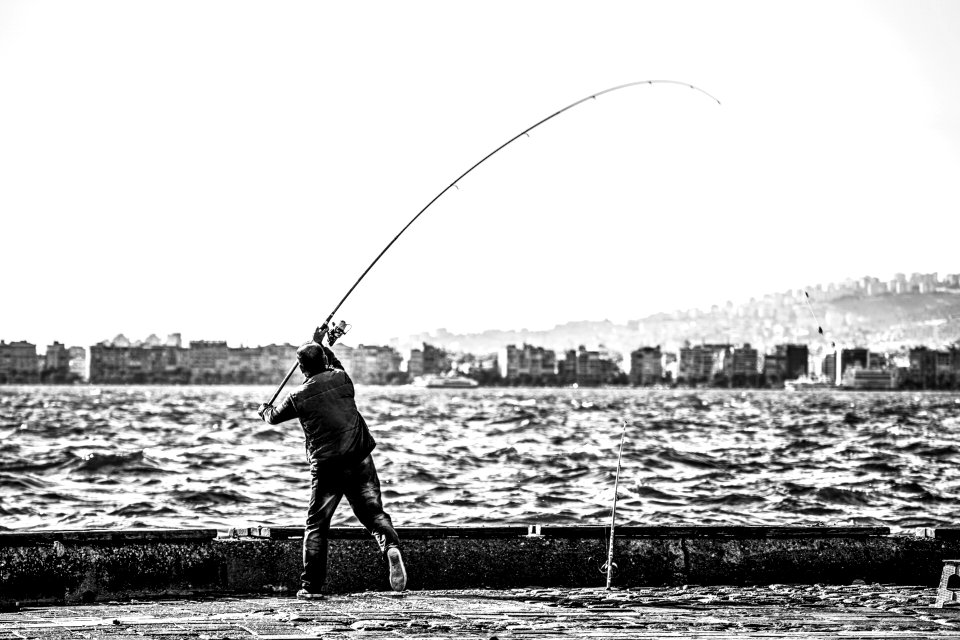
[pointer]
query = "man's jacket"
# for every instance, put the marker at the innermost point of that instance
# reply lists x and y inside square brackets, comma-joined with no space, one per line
[333,429]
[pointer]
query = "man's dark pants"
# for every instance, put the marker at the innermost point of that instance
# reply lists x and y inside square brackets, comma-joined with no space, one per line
[329,483]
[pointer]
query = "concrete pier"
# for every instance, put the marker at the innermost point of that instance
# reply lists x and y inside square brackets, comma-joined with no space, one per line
[65,567]
[715,612]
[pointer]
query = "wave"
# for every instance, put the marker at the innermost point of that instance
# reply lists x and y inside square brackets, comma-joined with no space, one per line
[842,496]
[196,455]
[97,462]
[209,497]
[692,459]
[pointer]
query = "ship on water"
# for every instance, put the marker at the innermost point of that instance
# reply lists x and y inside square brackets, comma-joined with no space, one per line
[434,381]
[804,383]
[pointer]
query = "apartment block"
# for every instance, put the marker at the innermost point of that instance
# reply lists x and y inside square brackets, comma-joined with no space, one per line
[527,364]
[584,367]
[207,360]
[786,362]
[646,366]
[56,364]
[369,364]
[428,360]
[702,363]
[415,363]
[743,366]
[78,364]
[204,362]
[857,357]
[18,362]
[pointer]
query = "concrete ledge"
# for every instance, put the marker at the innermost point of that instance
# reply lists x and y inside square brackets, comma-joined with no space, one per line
[573,532]
[85,566]
[90,536]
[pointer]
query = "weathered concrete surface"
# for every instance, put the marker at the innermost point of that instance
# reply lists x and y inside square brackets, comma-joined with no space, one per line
[718,612]
[87,572]
[71,567]
[895,559]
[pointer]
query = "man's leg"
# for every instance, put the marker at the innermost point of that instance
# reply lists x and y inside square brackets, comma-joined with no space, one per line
[362,488]
[325,494]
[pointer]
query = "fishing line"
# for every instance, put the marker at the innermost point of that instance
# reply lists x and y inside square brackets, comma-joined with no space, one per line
[837,363]
[819,326]
[325,330]
[613,512]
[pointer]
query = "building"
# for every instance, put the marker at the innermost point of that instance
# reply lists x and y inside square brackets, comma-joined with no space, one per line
[113,364]
[646,366]
[743,366]
[208,361]
[702,363]
[856,357]
[527,364]
[415,363]
[485,368]
[78,364]
[611,369]
[249,365]
[786,362]
[797,361]
[931,369]
[269,364]
[151,361]
[137,364]
[56,365]
[922,370]
[205,362]
[586,368]
[369,364]
[870,379]
[19,363]
[429,360]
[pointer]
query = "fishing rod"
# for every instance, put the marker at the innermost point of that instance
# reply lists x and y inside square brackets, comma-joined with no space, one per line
[838,354]
[334,333]
[613,512]
[819,326]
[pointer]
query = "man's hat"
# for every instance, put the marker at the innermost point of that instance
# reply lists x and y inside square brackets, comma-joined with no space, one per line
[312,357]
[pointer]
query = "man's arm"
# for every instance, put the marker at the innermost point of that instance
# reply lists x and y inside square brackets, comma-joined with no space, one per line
[332,358]
[275,415]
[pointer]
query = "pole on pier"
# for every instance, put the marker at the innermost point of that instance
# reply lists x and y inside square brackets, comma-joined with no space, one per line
[613,513]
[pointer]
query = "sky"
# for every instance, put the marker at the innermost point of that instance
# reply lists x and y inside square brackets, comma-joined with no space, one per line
[228,170]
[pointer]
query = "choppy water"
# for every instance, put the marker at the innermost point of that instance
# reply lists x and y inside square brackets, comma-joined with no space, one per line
[198,457]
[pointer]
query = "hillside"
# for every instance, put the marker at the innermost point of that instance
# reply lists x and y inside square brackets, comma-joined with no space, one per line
[884,323]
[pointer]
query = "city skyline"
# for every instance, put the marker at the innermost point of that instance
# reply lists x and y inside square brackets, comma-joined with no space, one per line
[156,362]
[235,185]
[899,283]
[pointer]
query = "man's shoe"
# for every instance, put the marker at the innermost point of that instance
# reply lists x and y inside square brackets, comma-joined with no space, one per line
[303,594]
[398,574]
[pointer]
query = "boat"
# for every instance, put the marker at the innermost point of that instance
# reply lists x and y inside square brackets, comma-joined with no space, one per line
[803,383]
[444,382]
[870,379]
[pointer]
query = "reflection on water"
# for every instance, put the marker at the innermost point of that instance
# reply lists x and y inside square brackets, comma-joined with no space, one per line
[198,457]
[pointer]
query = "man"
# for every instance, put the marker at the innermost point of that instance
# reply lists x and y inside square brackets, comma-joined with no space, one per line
[338,445]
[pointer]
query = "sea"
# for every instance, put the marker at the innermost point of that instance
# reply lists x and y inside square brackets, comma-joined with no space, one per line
[199,457]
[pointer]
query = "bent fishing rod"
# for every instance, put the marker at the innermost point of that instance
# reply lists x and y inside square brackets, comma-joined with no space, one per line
[333,333]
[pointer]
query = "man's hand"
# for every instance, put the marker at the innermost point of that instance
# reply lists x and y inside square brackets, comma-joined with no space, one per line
[263,409]
[319,333]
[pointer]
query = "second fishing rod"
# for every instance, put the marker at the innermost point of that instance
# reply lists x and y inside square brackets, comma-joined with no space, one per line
[333,332]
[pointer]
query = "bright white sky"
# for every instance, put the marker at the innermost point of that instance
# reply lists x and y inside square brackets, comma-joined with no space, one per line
[228,169]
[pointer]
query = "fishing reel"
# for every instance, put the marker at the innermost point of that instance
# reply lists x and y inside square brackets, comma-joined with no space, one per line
[333,333]
[337,332]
